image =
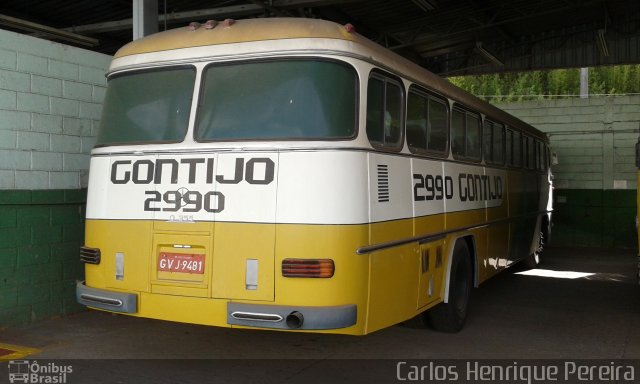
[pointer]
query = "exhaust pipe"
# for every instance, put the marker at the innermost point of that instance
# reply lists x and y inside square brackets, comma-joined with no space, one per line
[295,320]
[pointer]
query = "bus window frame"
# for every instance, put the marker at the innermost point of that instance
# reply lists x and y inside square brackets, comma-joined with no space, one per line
[385,77]
[279,59]
[428,95]
[547,156]
[539,155]
[503,130]
[113,75]
[530,158]
[525,152]
[509,161]
[466,111]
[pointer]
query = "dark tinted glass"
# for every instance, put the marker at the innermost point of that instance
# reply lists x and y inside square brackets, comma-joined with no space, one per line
[278,100]
[437,138]
[147,107]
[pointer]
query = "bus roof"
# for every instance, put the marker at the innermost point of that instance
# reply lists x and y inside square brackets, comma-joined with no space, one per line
[240,31]
[264,29]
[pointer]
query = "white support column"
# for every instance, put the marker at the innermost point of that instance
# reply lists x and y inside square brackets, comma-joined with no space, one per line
[145,18]
[584,83]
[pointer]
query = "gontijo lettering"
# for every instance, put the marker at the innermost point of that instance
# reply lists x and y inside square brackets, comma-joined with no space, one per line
[146,171]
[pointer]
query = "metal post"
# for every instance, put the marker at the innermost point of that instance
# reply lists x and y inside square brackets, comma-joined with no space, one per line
[584,83]
[145,18]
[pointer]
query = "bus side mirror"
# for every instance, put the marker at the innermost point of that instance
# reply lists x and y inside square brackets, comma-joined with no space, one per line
[554,158]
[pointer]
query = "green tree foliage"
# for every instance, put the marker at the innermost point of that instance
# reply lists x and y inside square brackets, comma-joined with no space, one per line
[622,79]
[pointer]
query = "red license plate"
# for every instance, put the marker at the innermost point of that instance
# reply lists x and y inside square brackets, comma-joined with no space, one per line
[181,262]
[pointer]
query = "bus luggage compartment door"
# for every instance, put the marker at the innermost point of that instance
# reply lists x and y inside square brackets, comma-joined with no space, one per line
[244,235]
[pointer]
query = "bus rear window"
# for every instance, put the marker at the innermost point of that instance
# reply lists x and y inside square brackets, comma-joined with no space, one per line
[278,100]
[147,107]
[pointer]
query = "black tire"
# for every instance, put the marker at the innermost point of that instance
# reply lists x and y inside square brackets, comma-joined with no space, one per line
[450,317]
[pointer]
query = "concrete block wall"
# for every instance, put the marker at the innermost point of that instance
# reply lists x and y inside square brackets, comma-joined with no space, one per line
[50,103]
[595,179]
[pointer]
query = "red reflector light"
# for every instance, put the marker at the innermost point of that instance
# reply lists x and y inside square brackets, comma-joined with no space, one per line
[319,268]
[349,27]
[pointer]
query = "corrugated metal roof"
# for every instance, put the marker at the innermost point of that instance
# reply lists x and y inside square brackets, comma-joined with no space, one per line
[442,35]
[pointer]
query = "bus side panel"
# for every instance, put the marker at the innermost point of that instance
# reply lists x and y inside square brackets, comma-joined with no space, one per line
[531,228]
[129,240]
[393,286]
[428,210]
[518,242]
[498,229]
[393,281]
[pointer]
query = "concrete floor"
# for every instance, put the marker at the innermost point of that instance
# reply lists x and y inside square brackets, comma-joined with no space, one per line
[513,316]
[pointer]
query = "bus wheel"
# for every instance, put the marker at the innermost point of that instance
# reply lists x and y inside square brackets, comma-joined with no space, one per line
[451,316]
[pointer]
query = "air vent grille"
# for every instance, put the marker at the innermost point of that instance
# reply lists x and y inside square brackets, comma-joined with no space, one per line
[90,255]
[383,183]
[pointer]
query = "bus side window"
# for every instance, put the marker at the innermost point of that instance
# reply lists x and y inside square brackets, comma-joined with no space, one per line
[375,105]
[547,157]
[493,142]
[514,148]
[466,135]
[457,133]
[531,153]
[426,123]
[509,147]
[437,136]
[525,151]
[487,138]
[474,137]
[541,155]
[498,144]
[417,122]
[393,115]
[517,149]
[384,113]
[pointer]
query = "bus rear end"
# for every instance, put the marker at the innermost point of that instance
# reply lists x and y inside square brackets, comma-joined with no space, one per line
[231,203]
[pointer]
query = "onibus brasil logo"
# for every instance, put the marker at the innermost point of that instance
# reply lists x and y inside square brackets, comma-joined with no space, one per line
[30,372]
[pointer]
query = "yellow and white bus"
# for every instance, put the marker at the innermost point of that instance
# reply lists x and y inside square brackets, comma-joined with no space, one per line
[290,174]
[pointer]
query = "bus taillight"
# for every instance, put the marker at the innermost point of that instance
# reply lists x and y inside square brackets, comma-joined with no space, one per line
[316,268]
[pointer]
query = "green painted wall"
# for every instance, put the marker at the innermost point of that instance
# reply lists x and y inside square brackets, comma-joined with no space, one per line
[595,218]
[40,233]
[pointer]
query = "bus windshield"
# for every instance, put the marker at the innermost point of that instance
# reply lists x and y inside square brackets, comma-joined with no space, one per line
[147,107]
[278,100]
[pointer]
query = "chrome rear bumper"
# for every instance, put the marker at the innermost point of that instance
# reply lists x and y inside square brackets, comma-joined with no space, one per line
[107,300]
[291,317]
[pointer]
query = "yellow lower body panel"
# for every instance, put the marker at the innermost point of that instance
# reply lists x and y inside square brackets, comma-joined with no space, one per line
[184,309]
[232,275]
[240,272]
